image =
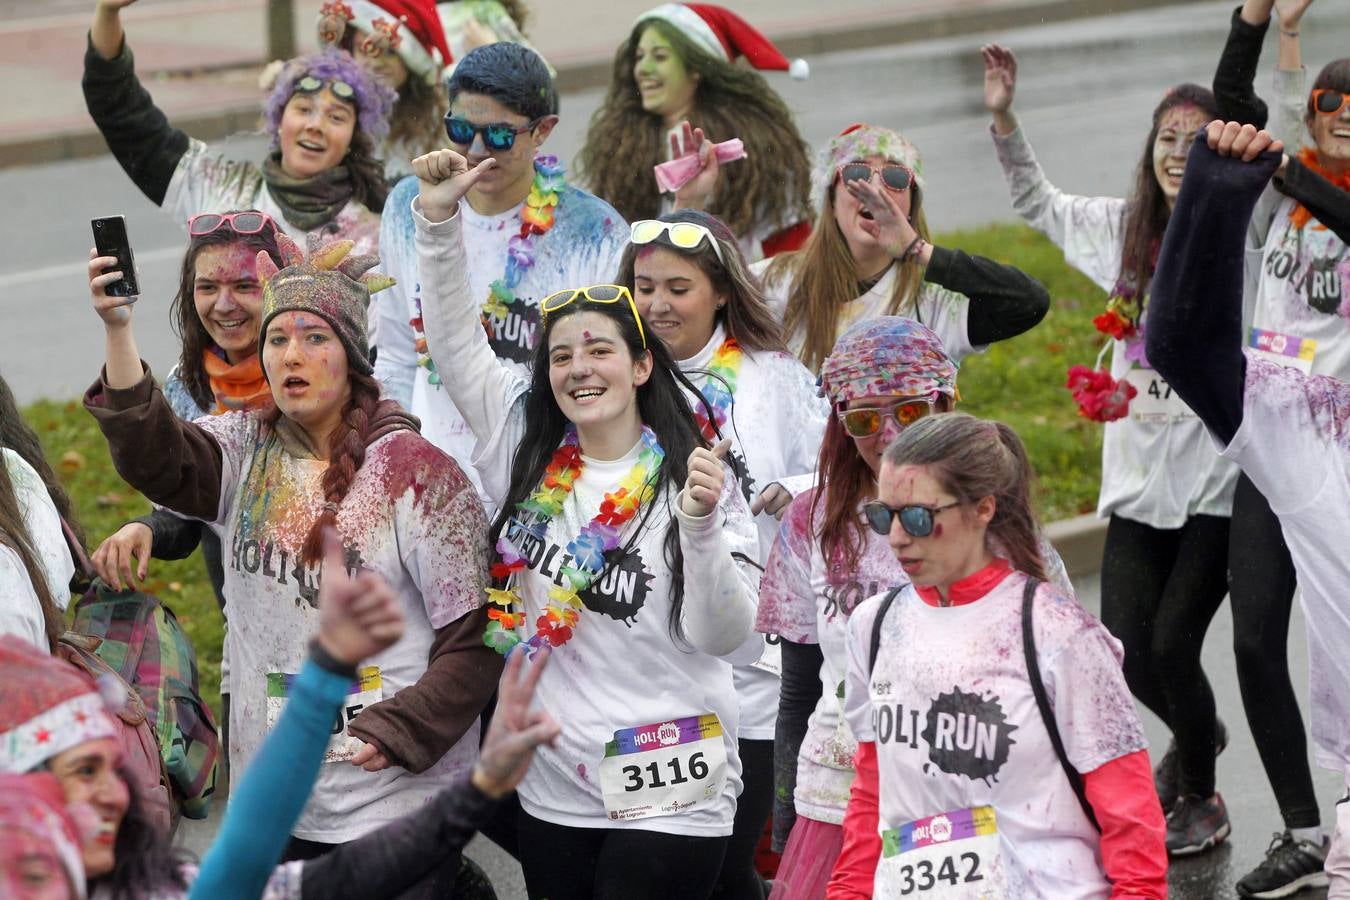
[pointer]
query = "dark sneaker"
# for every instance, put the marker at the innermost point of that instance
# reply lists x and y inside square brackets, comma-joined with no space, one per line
[1167,774]
[1289,867]
[1195,825]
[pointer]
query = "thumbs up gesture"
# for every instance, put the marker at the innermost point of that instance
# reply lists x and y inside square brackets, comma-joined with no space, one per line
[707,475]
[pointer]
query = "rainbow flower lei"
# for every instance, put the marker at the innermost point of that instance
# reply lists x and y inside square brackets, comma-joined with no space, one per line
[554,626]
[725,365]
[536,218]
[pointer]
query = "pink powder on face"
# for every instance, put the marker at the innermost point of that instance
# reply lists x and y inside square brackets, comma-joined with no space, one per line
[937,529]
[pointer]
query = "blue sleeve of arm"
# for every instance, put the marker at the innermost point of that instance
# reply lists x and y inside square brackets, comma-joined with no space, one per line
[274,789]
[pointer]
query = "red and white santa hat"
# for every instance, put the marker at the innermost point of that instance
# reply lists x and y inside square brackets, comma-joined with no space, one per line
[411,28]
[722,34]
[47,706]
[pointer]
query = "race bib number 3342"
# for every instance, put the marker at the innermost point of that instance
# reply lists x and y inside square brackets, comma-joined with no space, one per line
[664,769]
[952,855]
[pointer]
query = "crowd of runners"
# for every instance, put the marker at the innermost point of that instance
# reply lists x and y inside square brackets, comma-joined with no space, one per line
[624,512]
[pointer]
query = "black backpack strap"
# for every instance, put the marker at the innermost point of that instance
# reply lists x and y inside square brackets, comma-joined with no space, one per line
[1043,701]
[876,629]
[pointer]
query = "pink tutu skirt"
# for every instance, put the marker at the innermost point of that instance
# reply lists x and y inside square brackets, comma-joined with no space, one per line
[808,860]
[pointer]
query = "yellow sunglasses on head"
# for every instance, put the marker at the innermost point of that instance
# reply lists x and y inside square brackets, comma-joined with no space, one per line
[596,293]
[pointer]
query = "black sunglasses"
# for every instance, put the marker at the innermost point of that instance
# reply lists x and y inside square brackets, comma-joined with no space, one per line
[916,520]
[499,136]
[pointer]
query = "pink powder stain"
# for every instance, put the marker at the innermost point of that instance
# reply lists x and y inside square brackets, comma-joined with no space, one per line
[937,530]
[581,771]
[586,335]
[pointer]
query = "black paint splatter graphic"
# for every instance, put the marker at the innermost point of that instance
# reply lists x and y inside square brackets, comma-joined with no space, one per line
[513,337]
[968,735]
[621,590]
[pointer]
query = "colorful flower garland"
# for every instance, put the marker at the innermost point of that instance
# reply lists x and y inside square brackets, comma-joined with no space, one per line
[1099,396]
[554,626]
[536,218]
[719,388]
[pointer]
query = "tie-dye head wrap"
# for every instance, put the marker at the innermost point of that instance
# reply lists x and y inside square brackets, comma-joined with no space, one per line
[858,142]
[329,283]
[887,355]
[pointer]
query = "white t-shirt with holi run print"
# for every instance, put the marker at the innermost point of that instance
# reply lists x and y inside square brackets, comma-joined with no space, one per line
[582,248]
[950,708]
[1294,444]
[942,310]
[412,517]
[649,723]
[776,424]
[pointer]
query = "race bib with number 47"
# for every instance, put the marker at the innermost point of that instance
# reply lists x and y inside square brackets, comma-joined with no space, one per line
[952,855]
[664,769]
[366,690]
[1154,400]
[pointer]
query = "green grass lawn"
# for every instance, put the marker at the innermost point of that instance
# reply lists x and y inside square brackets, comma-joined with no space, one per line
[1019,381]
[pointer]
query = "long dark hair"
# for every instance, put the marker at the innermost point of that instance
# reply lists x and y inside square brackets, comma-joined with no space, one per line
[746,316]
[973,458]
[369,186]
[17,435]
[1146,214]
[145,862]
[188,325]
[14,534]
[772,185]
[662,405]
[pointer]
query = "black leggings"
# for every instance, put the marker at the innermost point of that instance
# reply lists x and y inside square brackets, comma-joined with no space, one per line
[1262,591]
[565,863]
[739,880]
[1160,590]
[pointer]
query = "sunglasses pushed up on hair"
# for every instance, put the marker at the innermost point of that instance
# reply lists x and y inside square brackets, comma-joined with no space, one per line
[604,294]
[682,235]
[312,84]
[916,520]
[497,136]
[238,222]
[894,177]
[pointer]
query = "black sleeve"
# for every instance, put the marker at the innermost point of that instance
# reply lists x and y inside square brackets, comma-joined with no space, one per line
[138,134]
[1235,78]
[1004,300]
[392,859]
[1194,335]
[172,537]
[1328,203]
[797,698]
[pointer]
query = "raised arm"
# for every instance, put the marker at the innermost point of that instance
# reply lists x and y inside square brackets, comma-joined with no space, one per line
[1195,308]
[1235,77]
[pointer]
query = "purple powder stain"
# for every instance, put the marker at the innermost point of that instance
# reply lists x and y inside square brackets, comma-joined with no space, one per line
[581,771]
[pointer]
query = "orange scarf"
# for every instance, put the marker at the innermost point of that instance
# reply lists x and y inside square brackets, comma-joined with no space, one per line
[236,386]
[1300,215]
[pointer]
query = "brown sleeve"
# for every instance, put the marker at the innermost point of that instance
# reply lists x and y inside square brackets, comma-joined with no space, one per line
[171,461]
[419,724]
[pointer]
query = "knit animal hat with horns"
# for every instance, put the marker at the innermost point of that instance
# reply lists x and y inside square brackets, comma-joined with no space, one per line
[327,282]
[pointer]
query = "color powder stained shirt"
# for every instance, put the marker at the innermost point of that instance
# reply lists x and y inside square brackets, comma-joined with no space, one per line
[955,723]
[1195,480]
[411,516]
[776,423]
[807,600]
[582,248]
[1294,443]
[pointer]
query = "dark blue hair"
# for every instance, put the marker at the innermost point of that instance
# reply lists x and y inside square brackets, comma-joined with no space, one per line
[514,76]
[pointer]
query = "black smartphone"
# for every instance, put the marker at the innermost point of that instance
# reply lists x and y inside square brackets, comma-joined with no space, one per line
[110,239]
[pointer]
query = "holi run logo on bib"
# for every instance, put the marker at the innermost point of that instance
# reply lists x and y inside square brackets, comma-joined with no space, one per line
[966,734]
[619,592]
[664,769]
[513,337]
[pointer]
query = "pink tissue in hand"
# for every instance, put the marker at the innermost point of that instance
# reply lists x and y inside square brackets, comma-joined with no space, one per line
[673,175]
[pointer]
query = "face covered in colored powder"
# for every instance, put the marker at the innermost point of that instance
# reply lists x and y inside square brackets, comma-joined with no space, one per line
[1176,131]
[666,85]
[315,132]
[676,298]
[88,774]
[30,868]
[593,376]
[306,365]
[871,447]
[514,172]
[1331,136]
[849,213]
[228,297]
[956,547]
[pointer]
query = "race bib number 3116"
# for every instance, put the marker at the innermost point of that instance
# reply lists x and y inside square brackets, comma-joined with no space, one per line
[664,769]
[952,855]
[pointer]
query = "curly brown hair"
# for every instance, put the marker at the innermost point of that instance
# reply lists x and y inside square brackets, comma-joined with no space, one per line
[418,118]
[772,185]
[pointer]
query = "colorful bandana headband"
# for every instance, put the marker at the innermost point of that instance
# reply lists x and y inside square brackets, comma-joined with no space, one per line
[858,142]
[36,804]
[887,355]
[329,283]
[47,706]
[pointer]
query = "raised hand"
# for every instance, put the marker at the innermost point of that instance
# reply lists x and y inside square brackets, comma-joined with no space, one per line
[358,617]
[707,475]
[1245,142]
[1291,13]
[114,311]
[1000,83]
[515,730]
[113,558]
[889,226]
[698,192]
[443,178]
